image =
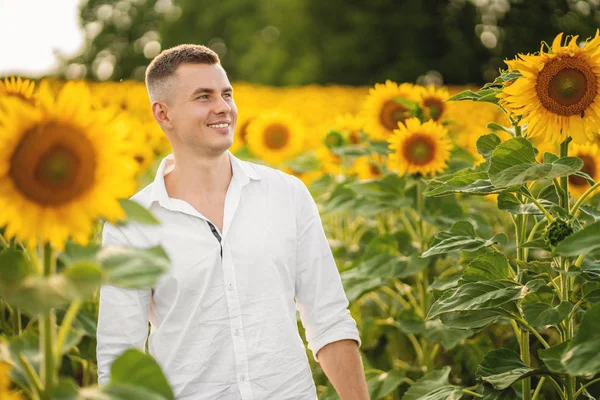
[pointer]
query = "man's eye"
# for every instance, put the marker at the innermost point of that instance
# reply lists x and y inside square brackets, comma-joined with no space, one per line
[203,97]
[228,95]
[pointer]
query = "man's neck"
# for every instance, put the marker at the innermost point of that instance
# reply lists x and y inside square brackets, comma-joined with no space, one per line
[195,178]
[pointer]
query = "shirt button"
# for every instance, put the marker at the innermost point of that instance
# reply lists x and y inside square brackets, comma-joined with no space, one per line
[237,332]
[230,287]
[243,378]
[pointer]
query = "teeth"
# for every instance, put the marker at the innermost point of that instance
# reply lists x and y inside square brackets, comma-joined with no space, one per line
[219,125]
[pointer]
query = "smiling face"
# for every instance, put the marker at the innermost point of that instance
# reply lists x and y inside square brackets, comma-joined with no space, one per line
[201,111]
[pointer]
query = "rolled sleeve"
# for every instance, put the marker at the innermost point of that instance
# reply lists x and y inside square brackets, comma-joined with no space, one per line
[320,296]
[122,316]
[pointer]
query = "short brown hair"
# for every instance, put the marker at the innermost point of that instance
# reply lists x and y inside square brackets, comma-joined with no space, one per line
[163,66]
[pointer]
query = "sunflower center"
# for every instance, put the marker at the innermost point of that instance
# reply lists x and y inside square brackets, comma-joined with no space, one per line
[419,149]
[393,112]
[589,167]
[276,136]
[244,130]
[567,86]
[354,137]
[374,169]
[435,108]
[53,164]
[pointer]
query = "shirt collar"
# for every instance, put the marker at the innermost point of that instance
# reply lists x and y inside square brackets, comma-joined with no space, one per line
[243,172]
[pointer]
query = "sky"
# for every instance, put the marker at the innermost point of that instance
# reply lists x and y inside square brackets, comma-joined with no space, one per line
[32,30]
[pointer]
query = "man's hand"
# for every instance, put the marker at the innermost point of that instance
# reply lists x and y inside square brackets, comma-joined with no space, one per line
[343,366]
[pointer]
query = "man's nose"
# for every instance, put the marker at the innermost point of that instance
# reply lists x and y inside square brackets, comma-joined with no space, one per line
[222,106]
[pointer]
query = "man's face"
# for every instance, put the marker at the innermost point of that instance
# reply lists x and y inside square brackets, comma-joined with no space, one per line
[203,112]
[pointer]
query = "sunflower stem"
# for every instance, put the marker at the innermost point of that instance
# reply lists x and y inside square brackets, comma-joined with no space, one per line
[46,325]
[564,180]
[583,197]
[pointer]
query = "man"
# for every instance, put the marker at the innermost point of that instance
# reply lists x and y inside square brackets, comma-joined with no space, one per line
[247,247]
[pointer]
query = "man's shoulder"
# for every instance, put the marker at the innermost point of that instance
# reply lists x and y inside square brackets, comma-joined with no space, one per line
[143,196]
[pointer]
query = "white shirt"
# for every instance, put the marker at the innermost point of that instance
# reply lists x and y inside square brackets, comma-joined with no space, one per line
[225,327]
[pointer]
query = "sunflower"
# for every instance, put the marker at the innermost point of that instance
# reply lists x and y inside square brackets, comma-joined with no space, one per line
[366,167]
[307,177]
[350,127]
[382,112]
[241,130]
[21,88]
[590,154]
[419,148]
[433,102]
[559,92]
[275,137]
[61,168]
[5,383]
[331,163]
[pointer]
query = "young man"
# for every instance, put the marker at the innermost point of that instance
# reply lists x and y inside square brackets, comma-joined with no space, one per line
[247,247]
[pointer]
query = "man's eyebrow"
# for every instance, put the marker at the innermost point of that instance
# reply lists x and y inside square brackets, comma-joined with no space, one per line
[209,90]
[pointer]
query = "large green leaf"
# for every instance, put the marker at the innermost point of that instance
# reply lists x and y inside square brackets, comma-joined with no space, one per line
[509,202]
[470,319]
[477,296]
[581,358]
[434,386]
[135,212]
[120,392]
[85,278]
[133,268]
[543,315]
[488,95]
[584,241]
[37,294]
[488,267]
[381,384]
[465,181]
[513,163]
[14,268]
[140,370]
[506,394]
[501,368]
[486,144]
[552,357]
[461,236]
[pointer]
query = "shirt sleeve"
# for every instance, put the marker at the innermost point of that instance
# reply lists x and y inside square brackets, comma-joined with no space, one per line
[320,296]
[122,316]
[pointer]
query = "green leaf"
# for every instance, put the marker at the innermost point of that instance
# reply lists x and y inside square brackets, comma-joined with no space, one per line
[470,319]
[133,268]
[549,158]
[488,267]
[513,163]
[477,183]
[66,389]
[381,384]
[85,278]
[436,332]
[501,368]
[140,370]
[502,79]
[506,394]
[120,392]
[581,358]
[434,386]
[552,357]
[37,294]
[14,268]
[509,202]
[461,236]
[495,127]
[590,211]
[477,296]
[542,315]
[584,241]
[137,213]
[591,291]
[487,143]
[549,194]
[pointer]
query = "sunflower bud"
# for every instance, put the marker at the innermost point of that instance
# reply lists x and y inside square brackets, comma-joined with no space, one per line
[557,231]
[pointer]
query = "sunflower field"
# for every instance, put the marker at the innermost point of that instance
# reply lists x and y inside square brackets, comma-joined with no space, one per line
[464,222]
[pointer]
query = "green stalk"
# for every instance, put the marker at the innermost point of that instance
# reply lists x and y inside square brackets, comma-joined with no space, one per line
[65,328]
[525,356]
[571,382]
[538,388]
[590,383]
[583,197]
[46,326]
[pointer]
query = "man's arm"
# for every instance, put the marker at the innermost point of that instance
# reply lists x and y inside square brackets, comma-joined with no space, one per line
[320,297]
[122,316]
[343,366]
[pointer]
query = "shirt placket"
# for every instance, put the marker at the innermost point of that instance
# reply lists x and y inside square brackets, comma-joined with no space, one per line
[233,300]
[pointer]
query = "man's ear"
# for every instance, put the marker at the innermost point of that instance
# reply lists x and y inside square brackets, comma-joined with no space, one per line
[161,114]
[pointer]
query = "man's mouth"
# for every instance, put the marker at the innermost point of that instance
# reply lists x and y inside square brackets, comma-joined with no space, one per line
[219,125]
